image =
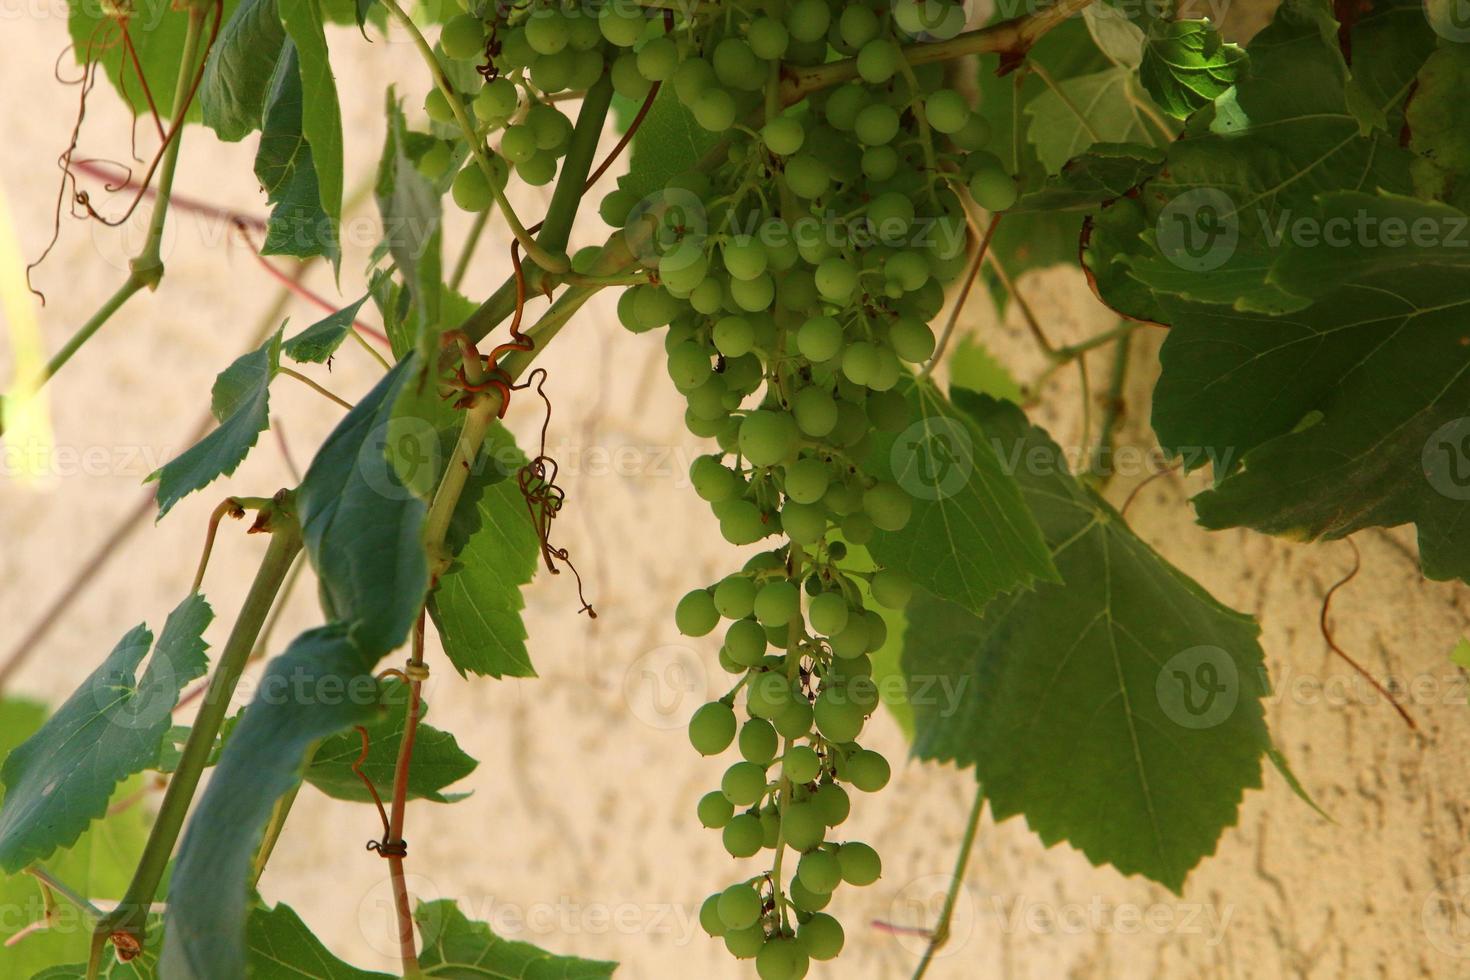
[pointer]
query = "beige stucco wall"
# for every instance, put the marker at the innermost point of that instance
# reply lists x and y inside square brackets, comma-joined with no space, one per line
[580,833]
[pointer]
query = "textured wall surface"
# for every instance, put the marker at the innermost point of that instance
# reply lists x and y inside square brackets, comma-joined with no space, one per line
[580,833]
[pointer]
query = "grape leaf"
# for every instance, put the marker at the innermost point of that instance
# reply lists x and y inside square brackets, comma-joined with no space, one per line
[111,727]
[1114,32]
[318,342]
[287,171]
[1120,712]
[319,686]
[1104,107]
[240,402]
[667,143]
[279,944]
[1186,66]
[1349,413]
[321,116]
[156,29]
[143,966]
[1438,118]
[477,605]
[412,228]
[456,947]
[237,75]
[1106,171]
[362,526]
[437,758]
[970,537]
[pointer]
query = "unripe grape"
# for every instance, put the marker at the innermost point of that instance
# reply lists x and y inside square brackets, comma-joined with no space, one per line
[776,603]
[781,959]
[712,728]
[838,719]
[991,187]
[538,170]
[754,295]
[518,143]
[891,214]
[828,613]
[547,32]
[745,944]
[470,190]
[742,836]
[794,720]
[769,693]
[836,280]
[709,917]
[833,803]
[771,825]
[876,125]
[892,589]
[860,863]
[910,269]
[622,24]
[743,523]
[912,339]
[740,906]
[860,362]
[803,826]
[821,937]
[807,176]
[767,437]
[437,107]
[714,810]
[733,335]
[878,60]
[744,783]
[695,615]
[463,37]
[736,65]
[497,100]
[867,770]
[888,505]
[768,38]
[706,297]
[744,257]
[689,365]
[807,20]
[858,25]
[745,642]
[627,80]
[801,764]
[819,871]
[435,161]
[551,128]
[807,479]
[852,641]
[946,110]
[844,104]
[758,741]
[658,59]
[816,415]
[714,109]
[805,899]
[553,72]
[805,524]
[735,594]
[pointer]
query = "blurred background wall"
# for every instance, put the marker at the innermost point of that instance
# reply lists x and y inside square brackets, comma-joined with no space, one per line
[580,833]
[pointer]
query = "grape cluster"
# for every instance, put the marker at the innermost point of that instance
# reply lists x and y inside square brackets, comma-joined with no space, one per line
[795,271]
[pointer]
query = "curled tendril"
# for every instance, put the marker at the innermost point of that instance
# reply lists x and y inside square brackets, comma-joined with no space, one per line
[384,847]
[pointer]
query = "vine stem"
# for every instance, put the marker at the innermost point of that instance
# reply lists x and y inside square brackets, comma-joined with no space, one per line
[783,800]
[130,916]
[146,269]
[940,934]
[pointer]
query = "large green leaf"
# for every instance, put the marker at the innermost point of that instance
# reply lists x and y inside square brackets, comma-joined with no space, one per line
[970,537]
[477,604]
[1105,172]
[1351,412]
[287,169]
[321,685]
[1105,107]
[321,116]
[668,143]
[412,227]
[280,946]
[457,948]
[237,76]
[111,727]
[1120,711]
[438,760]
[156,29]
[240,403]
[362,526]
[1186,66]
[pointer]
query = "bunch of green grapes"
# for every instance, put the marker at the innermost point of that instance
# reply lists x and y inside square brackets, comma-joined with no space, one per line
[796,279]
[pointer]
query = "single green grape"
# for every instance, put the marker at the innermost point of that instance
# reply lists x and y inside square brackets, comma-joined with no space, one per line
[878,60]
[714,109]
[803,826]
[744,257]
[745,642]
[821,937]
[712,728]
[833,803]
[860,362]
[807,176]
[819,339]
[768,694]
[838,719]
[858,25]
[689,365]
[709,917]
[518,143]
[879,162]
[876,125]
[744,783]
[867,770]
[781,959]
[736,65]
[745,944]
[807,479]
[714,810]
[463,37]
[538,170]
[622,24]
[758,741]
[852,641]
[776,603]
[658,59]
[437,107]
[733,335]
[888,505]
[754,295]
[860,863]
[805,899]
[807,20]
[912,339]
[992,188]
[768,38]
[696,615]
[794,720]
[836,280]
[892,589]
[805,524]
[767,437]
[743,836]
[735,594]
[801,764]
[547,32]
[740,906]
[436,161]
[815,412]
[946,110]
[828,613]
[819,871]
[470,190]
[497,100]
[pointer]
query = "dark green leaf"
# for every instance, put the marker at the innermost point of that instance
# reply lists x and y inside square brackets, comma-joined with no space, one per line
[1104,107]
[321,685]
[457,948]
[321,117]
[412,227]
[287,169]
[1186,66]
[1351,412]
[1438,118]
[280,946]
[970,537]
[156,29]
[237,76]
[362,526]
[112,726]
[241,404]
[1104,172]
[318,342]
[438,760]
[1120,712]
[477,605]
